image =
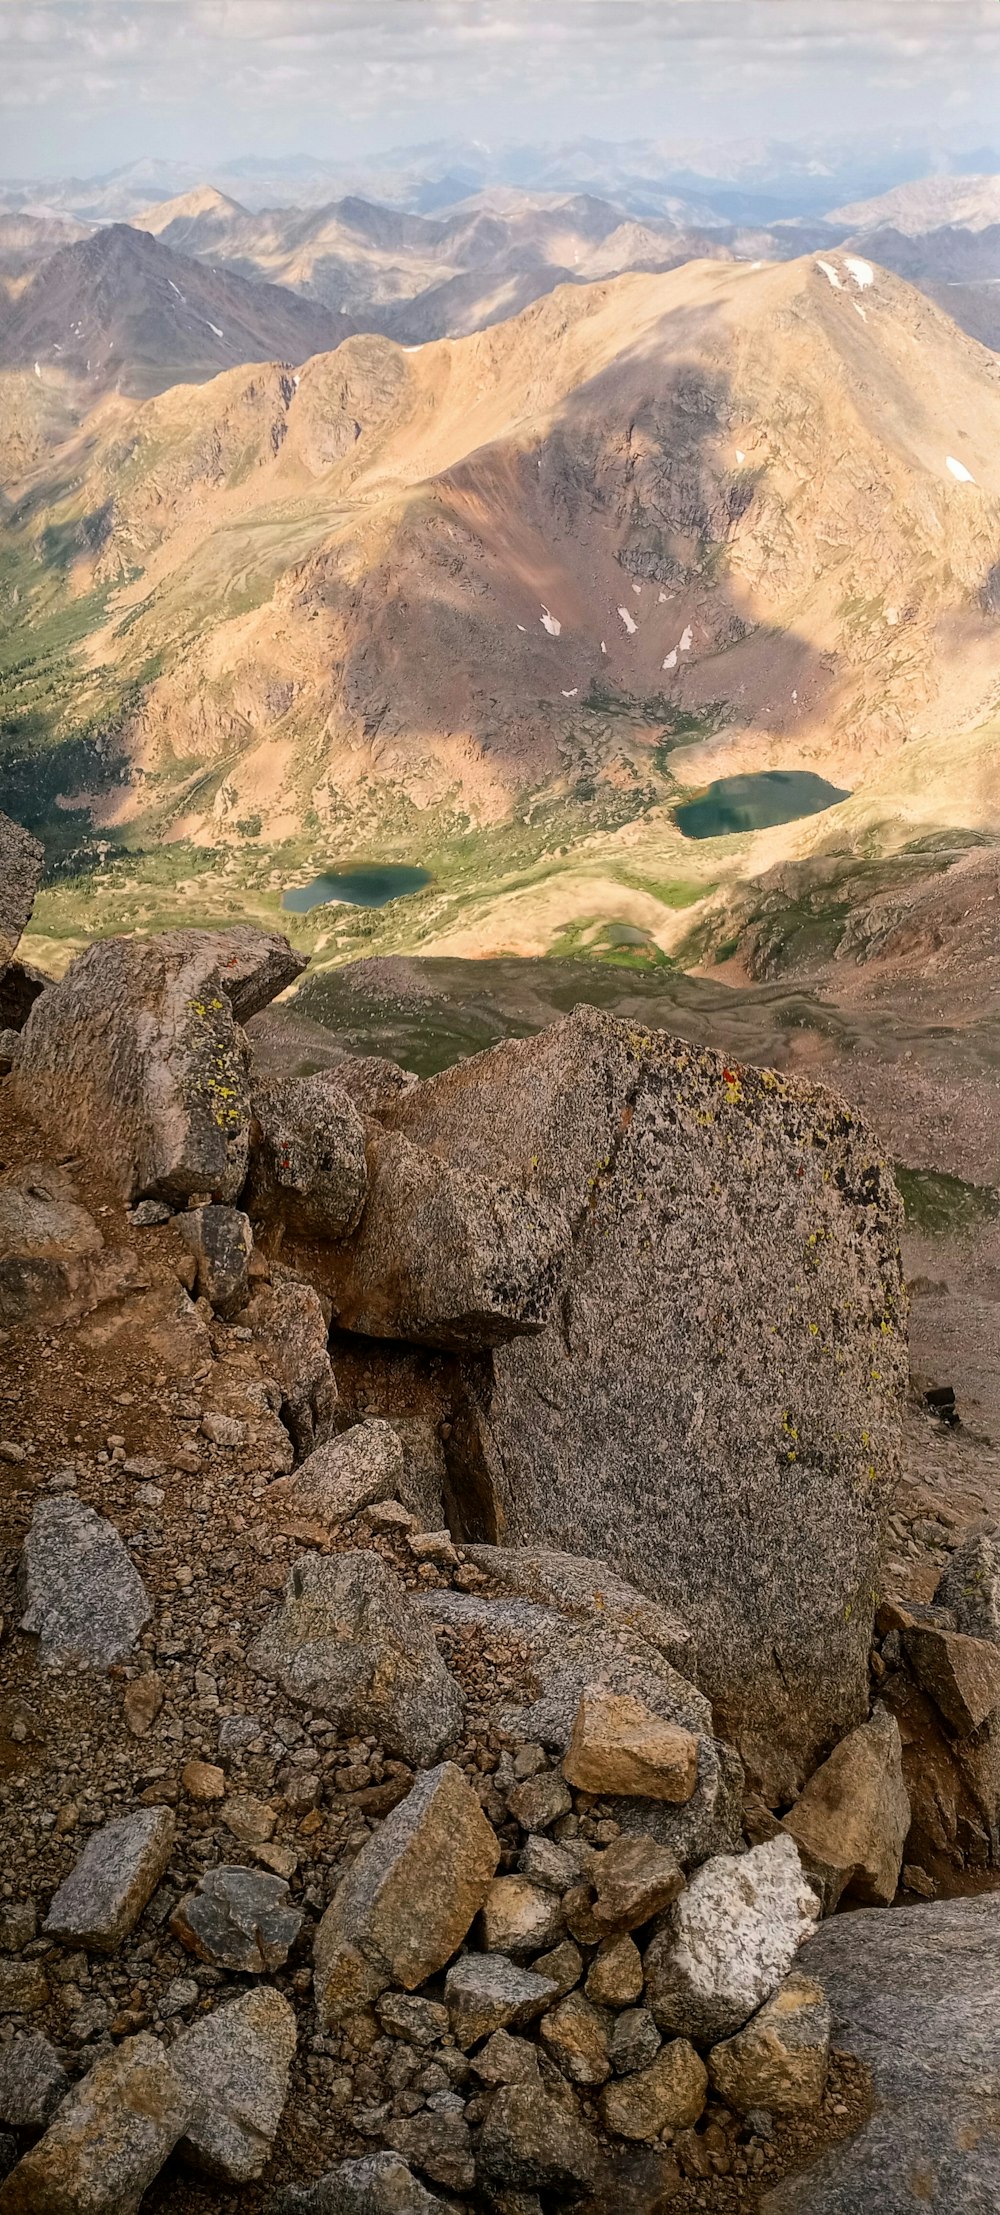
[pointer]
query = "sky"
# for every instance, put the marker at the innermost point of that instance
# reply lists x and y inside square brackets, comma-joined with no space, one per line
[88,85]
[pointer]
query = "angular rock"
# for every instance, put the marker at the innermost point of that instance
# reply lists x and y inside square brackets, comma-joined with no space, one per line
[487,1992]
[380,2184]
[420,2022]
[238,1919]
[615,1975]
[54,1265]
[669,2093]
[101,1900]
[635,2041]
[564,1965]
[80,1592]
[577,2035]
[291,1339]
[349,1643]
[970,1586]
[439,2145]
[757,1213]
[507,2060]
[221,1241]
[141,1703]
[109,2139]
[850,1823]
[619,1746]
[341,1477]
[24,1987]
[781,2060]
[203,1781]
[21,860]
[236,2064]
[32,2082]
[443,1258]
[20,985]
[960,1674]
[135,1058]
[545,1862]
[308,1171]
[519,1918]
[634,1879]
[539,1801]
[916,1996]
[410,1896]
[728,1941]
[531,2141]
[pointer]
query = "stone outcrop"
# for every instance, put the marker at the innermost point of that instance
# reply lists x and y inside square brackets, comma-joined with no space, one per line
[308,1173]
[136,1058]
[715,1408]
[21,859]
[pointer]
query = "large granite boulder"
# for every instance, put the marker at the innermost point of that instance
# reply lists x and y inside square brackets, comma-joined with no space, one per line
[21,859]
[307,1162]
[916,1995]
[715,1407]
[136,1058]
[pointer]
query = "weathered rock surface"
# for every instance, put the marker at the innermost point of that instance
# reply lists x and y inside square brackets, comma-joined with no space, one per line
[445,1258]
[290,1336]
[308,1172]
[348,1641]
[54,1264]
[970,1586]
[21,859]
[618,1745]
[80,1592]
[615,1975]
[409,1898]
[221,1241]
[577,2034]
[916,1995]
[20,985]
[744,1482]
[728,1941]
[531,2142]
[343,1476]
[236,2064]
[118,1871]
[519,1917]
[238,1919]
[32,2082]
[488,1992]
[438,2144]
[850,1823]
[780,2061]
[135,1057]
[380,2184]
[109,2139]
[960,1674]
[670,2092]
[635,2041]
[634,1879]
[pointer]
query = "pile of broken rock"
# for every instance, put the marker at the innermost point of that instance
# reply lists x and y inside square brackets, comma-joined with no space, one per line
[489,1866]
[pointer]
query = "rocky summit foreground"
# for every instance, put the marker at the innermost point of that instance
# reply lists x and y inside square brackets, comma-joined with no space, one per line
[449,1689]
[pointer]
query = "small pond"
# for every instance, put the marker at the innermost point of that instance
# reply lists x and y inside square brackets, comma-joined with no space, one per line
[369,885]
[755,803]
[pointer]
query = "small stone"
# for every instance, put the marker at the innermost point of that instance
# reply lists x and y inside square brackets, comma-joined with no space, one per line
[236,2063]
[487,1992]
[237,1732]
[389,1515]
[80,1591]
[436,1546]
[420,2022]
[202,1781]
[915,1879]
[32,2082]
[970,1586]
[148,1213]
[618,1745]
[540,1800]
[181,1993]
[439,2145]
[246,1818]
[532,2142]
[507,2060]
[851,1821]
[615,1977]
[18,1924]
[564,1966]
[408,1900]
[519,1918]
[24,1987]
[223,1430]
[380,2184]
[635,2041]
[960,1674]
[545,1862]
[728,1940]
[577,2035]
[108,2140]
[101,1900]
[354,1471]
[238,1919]
[780,2061]
[634,1880]
[669,2094]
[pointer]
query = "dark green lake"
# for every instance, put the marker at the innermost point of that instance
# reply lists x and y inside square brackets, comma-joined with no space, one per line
[370,885]
[755,803]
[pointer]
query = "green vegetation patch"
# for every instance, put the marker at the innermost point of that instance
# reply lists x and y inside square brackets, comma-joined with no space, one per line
[944,1206]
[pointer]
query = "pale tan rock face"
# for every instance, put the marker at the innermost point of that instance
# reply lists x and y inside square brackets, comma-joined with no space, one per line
[850,1823]
[780,2061]
[618,1745]
[671,2091]
[109,2139]
[411,1896]
[960,1674]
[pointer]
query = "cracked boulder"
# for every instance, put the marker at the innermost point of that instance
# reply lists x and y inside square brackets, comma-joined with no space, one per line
[363,1465]
[850,1823]
[715,1406]
[308,1172]
[136,1058]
